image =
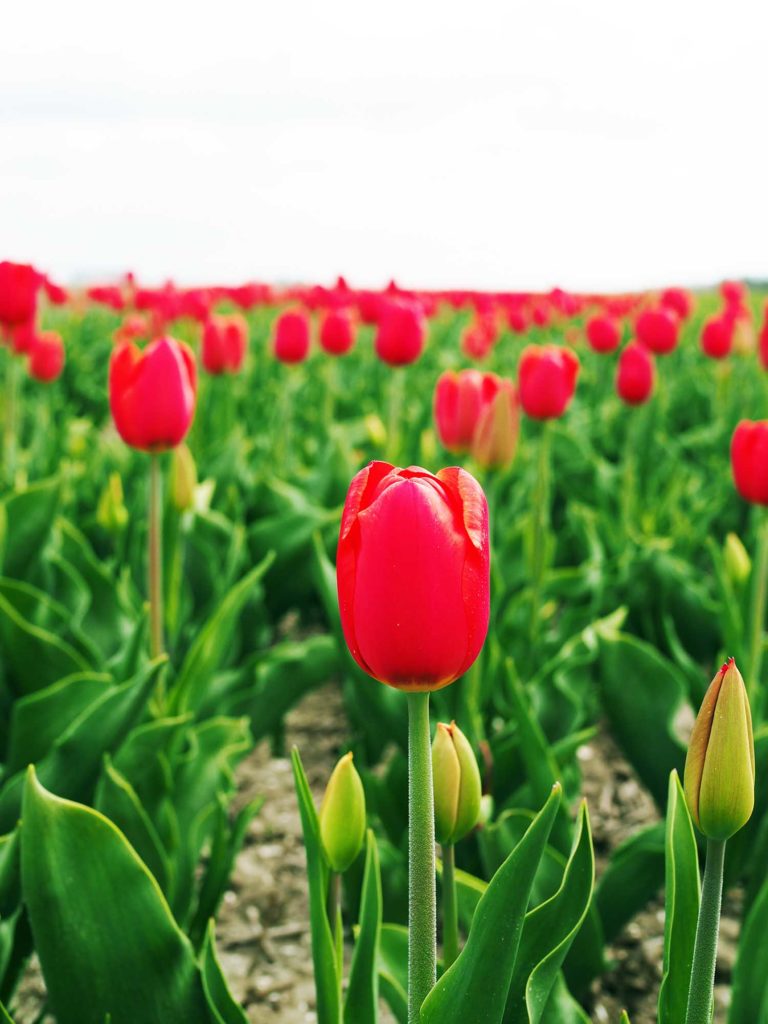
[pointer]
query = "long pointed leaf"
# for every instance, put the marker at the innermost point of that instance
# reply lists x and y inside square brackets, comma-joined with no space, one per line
[362,1004]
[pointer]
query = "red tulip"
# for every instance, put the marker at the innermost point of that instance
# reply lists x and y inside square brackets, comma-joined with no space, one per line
[717,336]
[635,374]
[55,294]
[763,341]
[657,329]
[23,337]
[479,337]
[291,338]
[401,333]
[46,356]
[18,293]
[225,339]
[679,301]
[413,569]
[517,321]
[152,393]
[603,334]
[749,460]
[337,333]
[734,293]
[547,380]
[459,398]
[107,295]
[495,438]
[132,329]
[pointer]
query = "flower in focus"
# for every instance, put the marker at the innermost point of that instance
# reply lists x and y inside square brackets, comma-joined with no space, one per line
[342,816]
[749,460]
[547,380]
[291,337]
[225,340]
[46,356]
[401,333]
[657,329]
[603,334]
[456,780]
[635,374]
[337,333]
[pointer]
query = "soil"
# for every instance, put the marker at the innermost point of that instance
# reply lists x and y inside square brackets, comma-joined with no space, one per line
[263,931]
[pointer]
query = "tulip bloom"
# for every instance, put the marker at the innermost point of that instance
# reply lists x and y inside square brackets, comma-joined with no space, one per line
[603,334]
[635,374]
[547,380]
[225,339]
[717,336]
[749,460]
[657,329]
[46,356]
[478,338]
[291,339]
[152,393]
[679,301]
[495,438]
[401,333]
[459,398]
[23,337]
[337,333]
[413,570]
[19,283]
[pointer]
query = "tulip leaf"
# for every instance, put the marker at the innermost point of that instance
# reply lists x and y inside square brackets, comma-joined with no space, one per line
[107,941]
[681,906]
[393,969]
[362,1002]
[749,1000]
[633,876]
[29,517]
[561,1007]
[327,981]
[221,1002]
[5,1017]
[481,975]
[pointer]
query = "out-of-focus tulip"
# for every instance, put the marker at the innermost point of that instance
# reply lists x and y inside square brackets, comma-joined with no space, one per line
[19,283]
[107,295]
[635,374]
[23,337]
[456,781]
[225,339]
[717,336]
[46,356]
[337,333]
[734,293]
[413,570]
[183,478]
[603,334]
[738,564]
[479,337]
[749,460]
[517,321]
[55,294]
[152,393]
[763,341]
[291,338]
[111,513]
[657,329]
[720,767]
[401,333]
[133,328]
[498,427]
[679,301]
[547,380]
[459,397]
[342,816]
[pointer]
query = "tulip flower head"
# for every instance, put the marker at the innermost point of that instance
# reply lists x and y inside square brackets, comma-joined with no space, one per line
[456,780]
[19,284]
[547,380]
[46,356]
[342,816]
[494,442]
[679,301]
[225,339]
[717,336]
[337,333]
[603,334]
[291,337]
[152,393]
[635,374]
[657,329]
[719,778]
[401,333]
[413,570]
[459,399]
[749,460]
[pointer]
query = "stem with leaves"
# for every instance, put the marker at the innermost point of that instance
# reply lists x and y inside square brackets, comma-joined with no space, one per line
[705,950]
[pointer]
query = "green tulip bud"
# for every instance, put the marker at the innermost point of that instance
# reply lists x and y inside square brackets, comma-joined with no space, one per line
[183,478]
[111,513]
[738,564]
[719,778]
[456,779]
[342,816]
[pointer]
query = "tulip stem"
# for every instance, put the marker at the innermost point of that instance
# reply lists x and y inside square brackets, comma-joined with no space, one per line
[394,411]
[11,388]
[155,559]
[757,613]
[540,512]
[334,918]
[422,914]
[450,907]
[705,950]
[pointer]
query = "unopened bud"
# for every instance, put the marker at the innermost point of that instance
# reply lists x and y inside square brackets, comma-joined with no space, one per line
[738,564]
[183,478]
[495,438]
[111,513]
[456,780]
[342,816]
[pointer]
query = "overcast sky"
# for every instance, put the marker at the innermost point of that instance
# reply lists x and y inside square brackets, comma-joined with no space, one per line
[582,143]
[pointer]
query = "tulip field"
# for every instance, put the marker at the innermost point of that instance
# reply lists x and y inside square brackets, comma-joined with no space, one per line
[519,538]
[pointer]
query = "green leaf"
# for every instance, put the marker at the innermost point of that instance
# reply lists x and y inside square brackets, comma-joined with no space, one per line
[106,938]
[681,906]
[5,1017]
[221,1002]
[562,1008]
[362,1002]
[634,875]
[29,517]
[327,981]
[480,977]
[393,969]
[749,993]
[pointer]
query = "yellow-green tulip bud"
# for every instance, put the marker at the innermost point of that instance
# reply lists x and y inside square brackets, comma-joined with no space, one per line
[183,478]
[738,564]
[342,816]
[720,767]
[111,513]
[456,779]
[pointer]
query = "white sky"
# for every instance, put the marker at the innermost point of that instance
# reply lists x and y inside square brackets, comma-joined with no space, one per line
[595,144]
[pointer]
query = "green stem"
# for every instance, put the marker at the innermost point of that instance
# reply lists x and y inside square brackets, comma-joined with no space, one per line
[394,411]
[329,405]
[422,915]
[757,612]
[155,559]
[11,389]
[540,526]
[450,908]
[705,950]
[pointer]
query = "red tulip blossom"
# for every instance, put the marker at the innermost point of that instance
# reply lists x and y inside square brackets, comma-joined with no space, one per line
[749,460]
[494,441]
[152,393]
[55,294]
[19,283]
[734,293]
[479,337]
[603,334]
[635,374]
[46,356]
[763,341]
[401,333]
[459,399]
[22,337]
[107,295]
[547,380]
[413,569]
[679,301]
[717,336]
[517,321]
[291,337]
[657,329]
[337,333]
[132,329]
[225,339]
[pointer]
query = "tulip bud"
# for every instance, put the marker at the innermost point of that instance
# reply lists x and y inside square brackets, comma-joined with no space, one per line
[657,329]
[495,438]
[547,380]
[738,564]
[111,513]
[456,779]
[749,460]
[720,767]
[183,478]
[342,816]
